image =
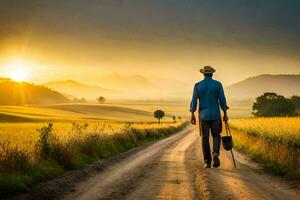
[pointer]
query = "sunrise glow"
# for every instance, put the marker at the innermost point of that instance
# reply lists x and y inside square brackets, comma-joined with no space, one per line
[17,70]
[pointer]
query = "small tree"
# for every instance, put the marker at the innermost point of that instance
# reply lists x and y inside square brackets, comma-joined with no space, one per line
[174,119]
[159,114]
[101,99]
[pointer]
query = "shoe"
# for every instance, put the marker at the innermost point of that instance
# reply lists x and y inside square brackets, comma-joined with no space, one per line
[207,165]
[216,160]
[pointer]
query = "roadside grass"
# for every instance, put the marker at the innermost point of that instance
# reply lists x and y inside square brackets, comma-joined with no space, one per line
[34,152]
[273,142]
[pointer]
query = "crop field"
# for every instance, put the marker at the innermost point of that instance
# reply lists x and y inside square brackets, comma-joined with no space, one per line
[34,152]
[38,142]
[273,141]
[23,137]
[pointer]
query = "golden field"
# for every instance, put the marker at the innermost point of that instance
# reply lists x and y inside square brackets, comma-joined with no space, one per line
[273,141]
[40,143]
[74,112]
[24,136]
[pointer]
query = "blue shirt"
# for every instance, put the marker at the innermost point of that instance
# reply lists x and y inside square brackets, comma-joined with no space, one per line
[210,95]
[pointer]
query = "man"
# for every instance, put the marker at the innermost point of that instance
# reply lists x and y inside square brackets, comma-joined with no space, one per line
[210,95]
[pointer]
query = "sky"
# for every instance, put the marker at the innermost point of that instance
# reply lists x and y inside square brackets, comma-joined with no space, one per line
[84,40]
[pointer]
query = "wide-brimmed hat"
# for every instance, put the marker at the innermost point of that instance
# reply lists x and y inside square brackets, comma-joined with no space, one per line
[207,70]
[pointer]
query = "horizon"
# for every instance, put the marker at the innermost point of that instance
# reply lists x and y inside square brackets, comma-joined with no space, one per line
[5,76]
[114,91]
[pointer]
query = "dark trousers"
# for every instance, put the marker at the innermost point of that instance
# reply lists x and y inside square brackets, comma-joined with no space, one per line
[215,127]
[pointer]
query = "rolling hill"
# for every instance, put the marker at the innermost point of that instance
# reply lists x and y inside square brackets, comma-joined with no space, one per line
[73,112]
[77,89]
[252,87]
[16,93]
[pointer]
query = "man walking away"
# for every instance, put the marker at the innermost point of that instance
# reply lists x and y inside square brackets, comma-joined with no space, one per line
[210,95]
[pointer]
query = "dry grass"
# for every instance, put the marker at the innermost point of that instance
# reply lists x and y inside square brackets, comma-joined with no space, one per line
[24,136]
[34,152]
[273,141]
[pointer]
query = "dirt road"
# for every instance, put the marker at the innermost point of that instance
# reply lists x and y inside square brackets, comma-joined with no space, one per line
[172,169]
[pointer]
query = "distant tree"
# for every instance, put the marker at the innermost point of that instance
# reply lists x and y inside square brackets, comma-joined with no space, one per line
[77,100]
[83,100]
[159,114]
[296,101]
[273,105]
[174,119]
[101,99]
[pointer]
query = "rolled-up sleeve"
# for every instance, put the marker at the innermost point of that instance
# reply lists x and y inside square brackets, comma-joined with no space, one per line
[222,99]
[194,102]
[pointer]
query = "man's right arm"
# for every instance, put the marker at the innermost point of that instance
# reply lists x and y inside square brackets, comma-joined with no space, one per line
[193,106]
[223,103]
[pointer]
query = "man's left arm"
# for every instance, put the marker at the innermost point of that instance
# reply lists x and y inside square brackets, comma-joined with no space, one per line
[223,103]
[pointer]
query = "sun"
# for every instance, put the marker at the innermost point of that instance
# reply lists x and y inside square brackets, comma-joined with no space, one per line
[19,75]
[17,70]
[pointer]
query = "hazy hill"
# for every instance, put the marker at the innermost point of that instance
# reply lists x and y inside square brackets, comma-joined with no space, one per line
[144,87]
[252,87]
[77,89]
[123,87]
[15,93]
[125,82]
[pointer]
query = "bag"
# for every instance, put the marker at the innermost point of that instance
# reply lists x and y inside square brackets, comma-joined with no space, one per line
[227,141]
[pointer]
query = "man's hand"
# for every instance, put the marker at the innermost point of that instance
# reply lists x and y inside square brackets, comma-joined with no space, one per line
[225,118]
[193,119]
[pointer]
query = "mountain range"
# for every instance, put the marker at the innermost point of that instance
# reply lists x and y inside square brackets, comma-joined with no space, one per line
[250,88]
[76,89]
[117,86]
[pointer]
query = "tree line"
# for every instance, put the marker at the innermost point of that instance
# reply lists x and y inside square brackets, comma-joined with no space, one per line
[273,105]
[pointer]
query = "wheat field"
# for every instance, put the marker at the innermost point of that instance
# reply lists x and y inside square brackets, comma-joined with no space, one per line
[275,142]
[34,152]
[23,137]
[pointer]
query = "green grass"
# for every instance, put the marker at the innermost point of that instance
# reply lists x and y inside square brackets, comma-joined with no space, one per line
[20,182]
